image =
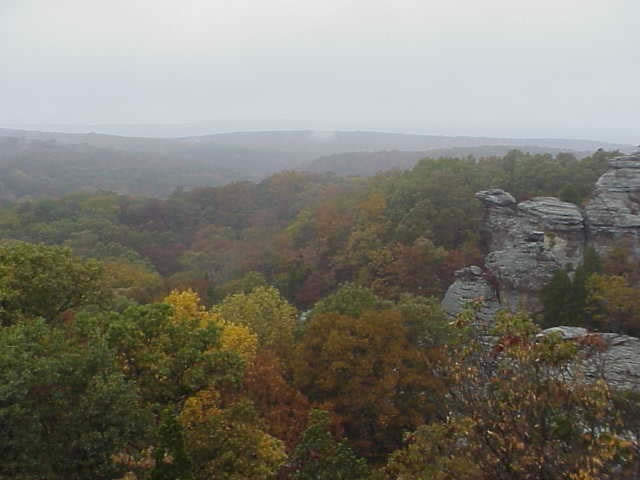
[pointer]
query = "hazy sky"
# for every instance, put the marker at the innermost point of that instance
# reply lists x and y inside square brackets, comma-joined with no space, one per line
[493,67]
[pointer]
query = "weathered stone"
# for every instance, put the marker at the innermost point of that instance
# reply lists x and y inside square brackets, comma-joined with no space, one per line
[558,224]
[619,364]
[521,271]
[613,212]
[567,333]
[529,241]
[501,220]
[471,284]
[552,214]
[616,359]
[497,197]
[562,224]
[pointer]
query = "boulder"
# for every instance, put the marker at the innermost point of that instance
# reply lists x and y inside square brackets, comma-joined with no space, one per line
[529,241]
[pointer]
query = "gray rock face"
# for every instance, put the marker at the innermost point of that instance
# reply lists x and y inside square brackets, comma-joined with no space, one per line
[501,220]
[613,212]
[619,364]
[521,272]
[530,240]
[552,214]
[528,243]
[497,197]
[567,333]
[617,361]
[560,225]
[471,284]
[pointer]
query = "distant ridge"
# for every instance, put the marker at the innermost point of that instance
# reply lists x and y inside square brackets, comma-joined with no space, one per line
[311,141]
[36,164]
[370,163]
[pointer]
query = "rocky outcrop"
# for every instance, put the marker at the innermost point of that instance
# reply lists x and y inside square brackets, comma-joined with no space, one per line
[613,357]
[528,242]
[619,363]
[521,272]
[471,284]
[500,220]
[560,225]
[613,212]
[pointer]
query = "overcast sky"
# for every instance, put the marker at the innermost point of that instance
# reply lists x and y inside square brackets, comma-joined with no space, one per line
[479,67]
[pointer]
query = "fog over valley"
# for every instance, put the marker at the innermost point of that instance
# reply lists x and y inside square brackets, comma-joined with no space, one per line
[551,68]
[319,240]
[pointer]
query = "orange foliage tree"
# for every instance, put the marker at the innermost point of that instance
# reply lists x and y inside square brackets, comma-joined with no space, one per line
[368,372]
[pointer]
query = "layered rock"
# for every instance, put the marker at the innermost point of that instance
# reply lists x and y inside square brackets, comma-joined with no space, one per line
[470,285]
[528,242]
[501,220]
[613,212]
[562,224]
[616,358]
[521,272]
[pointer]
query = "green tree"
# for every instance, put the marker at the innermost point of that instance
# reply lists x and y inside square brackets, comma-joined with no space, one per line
[555,298]
[319,456]
[349,299]
[614,304]
[591,261]
[367,371]
[266,313]
[43,281]
[565,299]
[65,406]
[227,443]
[170,360]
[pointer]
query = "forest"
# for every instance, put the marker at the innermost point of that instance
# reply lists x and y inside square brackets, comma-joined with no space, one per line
[291,328]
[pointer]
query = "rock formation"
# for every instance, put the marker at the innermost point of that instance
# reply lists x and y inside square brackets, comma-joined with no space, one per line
[530,240]
[613,212]
[617,360]
[471,284]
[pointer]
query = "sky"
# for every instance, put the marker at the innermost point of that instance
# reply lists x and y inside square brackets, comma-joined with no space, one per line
[553,68]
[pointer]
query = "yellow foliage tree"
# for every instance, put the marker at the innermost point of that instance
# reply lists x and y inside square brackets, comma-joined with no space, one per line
[266,313]
[236,338]
[227,443]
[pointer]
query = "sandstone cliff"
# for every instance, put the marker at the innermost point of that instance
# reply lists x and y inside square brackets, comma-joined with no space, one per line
[613,212]
[530,240]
